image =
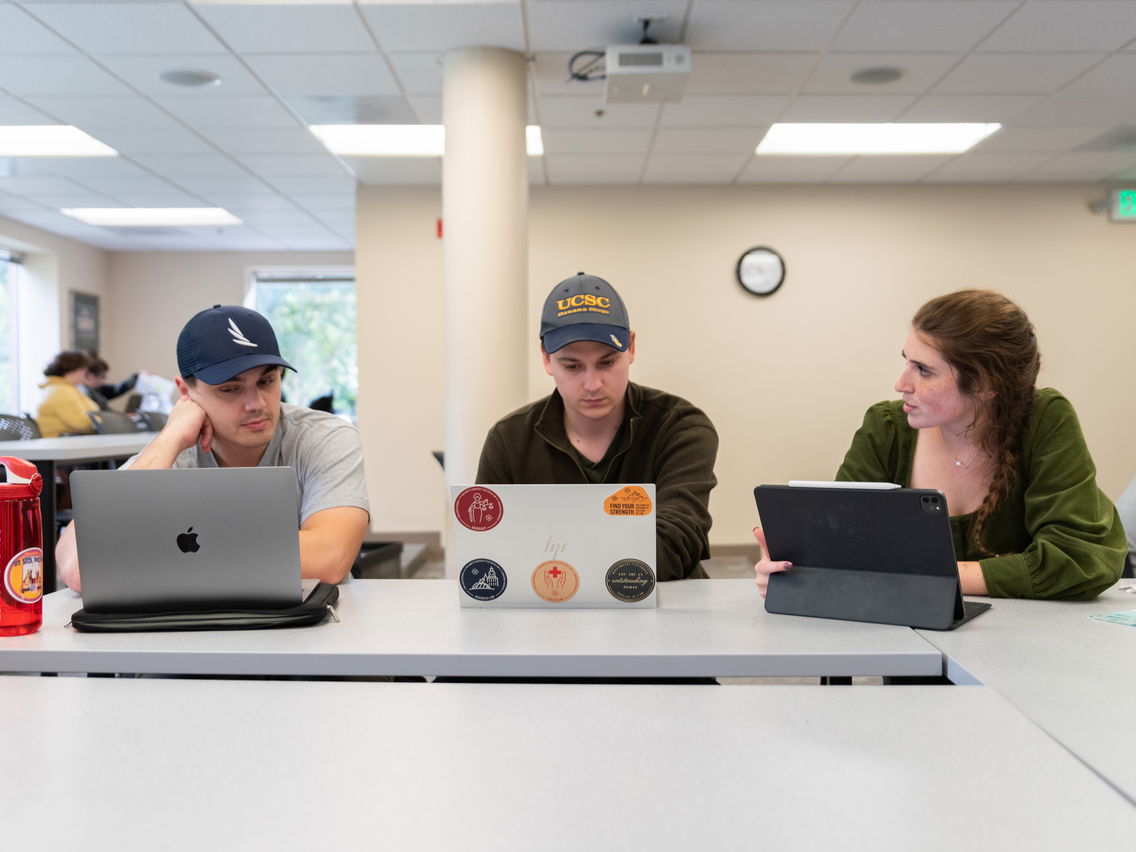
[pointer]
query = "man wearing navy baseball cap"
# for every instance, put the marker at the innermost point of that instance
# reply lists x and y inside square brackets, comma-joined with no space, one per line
[598,426]
[230,414]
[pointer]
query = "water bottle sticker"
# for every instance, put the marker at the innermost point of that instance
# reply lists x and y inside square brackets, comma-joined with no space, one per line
[23,578]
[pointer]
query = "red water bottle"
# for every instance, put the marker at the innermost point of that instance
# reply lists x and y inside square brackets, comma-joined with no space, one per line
[21,548]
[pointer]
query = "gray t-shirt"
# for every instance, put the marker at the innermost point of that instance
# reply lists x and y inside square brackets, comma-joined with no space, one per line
[325,452]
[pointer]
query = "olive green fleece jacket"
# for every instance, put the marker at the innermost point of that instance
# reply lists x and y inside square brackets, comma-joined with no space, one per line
[664,440]
[1060,535]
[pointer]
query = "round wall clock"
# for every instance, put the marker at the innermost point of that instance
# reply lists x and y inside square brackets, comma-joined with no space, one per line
[761,271]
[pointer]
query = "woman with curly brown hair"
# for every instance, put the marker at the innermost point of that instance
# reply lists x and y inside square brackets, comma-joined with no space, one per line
[64,407]
[1028,518]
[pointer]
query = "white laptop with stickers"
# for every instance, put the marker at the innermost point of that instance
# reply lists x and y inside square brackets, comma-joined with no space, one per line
[553,546]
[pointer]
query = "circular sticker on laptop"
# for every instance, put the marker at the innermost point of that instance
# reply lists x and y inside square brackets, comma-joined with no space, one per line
[479,509]
[630,580]
[483,579]
[555,581]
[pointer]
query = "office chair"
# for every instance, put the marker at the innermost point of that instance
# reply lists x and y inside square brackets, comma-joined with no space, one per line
[154,420]
[115,422]
[13,427]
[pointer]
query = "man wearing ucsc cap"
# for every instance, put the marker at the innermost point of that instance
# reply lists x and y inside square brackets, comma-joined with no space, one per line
[597,426]
[230,415]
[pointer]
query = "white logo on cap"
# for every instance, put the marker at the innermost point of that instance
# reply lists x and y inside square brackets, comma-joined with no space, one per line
[239,336]
[616,340]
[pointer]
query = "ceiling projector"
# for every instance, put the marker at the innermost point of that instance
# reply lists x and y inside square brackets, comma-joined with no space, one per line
[646,73]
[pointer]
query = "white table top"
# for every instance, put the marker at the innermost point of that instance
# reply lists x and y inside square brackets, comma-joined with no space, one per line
[702,628]
[172,764]
[77,448]
[1070,674]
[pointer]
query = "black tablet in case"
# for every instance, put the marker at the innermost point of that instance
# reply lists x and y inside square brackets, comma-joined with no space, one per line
[863,552]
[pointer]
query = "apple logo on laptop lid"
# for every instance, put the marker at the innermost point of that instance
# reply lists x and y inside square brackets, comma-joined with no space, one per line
[187,541]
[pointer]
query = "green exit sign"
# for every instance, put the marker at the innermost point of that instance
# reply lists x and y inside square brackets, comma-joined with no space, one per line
[1123,205]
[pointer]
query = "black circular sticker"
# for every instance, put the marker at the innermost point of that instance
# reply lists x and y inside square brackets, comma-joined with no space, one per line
[630,580]
[483,579]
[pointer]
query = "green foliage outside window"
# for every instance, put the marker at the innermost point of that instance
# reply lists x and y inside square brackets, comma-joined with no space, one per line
[315,326]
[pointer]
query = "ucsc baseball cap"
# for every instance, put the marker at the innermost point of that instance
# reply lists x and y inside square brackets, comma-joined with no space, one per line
[584,307]
[224,341]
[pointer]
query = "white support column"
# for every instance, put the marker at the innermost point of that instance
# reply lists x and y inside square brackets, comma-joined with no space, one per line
[485,248]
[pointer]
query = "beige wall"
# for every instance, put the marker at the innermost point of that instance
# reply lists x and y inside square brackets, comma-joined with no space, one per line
[786,379]
[152,294]
[54,266]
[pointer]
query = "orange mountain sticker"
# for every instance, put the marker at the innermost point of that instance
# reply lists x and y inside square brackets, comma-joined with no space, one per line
[629,500]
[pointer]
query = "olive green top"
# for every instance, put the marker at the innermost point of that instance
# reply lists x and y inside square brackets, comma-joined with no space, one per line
[1060,535]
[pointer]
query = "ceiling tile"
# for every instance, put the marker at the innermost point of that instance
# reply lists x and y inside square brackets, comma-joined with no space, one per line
[293,186]
[1101,25]
[572,25]
[827,108]
[177,166]
[58,75]
[615,141]
[317,201]
[308,165]
[143,73]
[887,169]
[427,110]
[728,73]
[711,141]
[101,112]
[146,198]
[352,109]
[556,111]
[14,112]
[767,26]
[833,73]
[288,28]
[566,169]
[1015,72]
[693,168]
[82,168]
[227,111]
[12,205]
[239,205]
[25,36]
[102,29]
[37,186]
[1068,109]
[419,73]
[411,26]
[333,73]
[987,167]
[724,111]
[997,108]
[550,76]
[921,25]
[791,169]
[207,185]
[255,140]
[1081,166]
[1045,139]
[153,140]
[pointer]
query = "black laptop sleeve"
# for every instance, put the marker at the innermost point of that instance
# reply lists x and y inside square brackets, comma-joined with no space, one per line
[319,604]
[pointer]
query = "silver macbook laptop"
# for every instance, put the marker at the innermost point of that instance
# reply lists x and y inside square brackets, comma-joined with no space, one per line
[187,539]
[553,546]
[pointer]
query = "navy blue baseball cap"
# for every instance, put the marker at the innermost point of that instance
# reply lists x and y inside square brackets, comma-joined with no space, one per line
[584,307]
[223,342]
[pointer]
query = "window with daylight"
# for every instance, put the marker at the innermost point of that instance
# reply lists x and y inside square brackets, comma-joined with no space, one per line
[9,343]
[313,314]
